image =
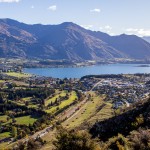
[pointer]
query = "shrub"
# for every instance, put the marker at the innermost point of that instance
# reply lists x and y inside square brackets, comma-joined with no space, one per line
[140,140]
[74,140]
[117,143]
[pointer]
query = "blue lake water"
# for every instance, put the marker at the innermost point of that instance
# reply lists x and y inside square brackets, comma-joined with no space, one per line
[78,72]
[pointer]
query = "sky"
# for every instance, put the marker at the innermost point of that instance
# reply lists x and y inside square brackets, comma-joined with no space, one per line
[111,16]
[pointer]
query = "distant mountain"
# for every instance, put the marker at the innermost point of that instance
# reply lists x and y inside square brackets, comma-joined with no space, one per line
[147,38]
[131,45]
[66,41]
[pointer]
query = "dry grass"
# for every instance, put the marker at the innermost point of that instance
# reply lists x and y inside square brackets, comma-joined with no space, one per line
[85,113]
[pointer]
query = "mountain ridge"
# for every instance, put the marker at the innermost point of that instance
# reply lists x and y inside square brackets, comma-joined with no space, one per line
[147,38]
[66,41]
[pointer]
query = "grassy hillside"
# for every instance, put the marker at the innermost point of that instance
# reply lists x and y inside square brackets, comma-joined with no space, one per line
[137,116]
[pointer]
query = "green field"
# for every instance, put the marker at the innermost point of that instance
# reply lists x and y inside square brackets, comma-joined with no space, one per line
[64,103]
[2,81]
[4,135]
[90,112]
[19,75]
[62,94]
[23,100]
[84,114]
[3,118]
[26,98]
[4,145]
[30,105]
[105,113]
[25,120]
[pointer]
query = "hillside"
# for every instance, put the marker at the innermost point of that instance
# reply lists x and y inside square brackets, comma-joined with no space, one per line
[131,45]
[66,41]
[146,38]
[135,117]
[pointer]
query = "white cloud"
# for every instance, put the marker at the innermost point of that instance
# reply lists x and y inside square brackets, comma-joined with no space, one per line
[112,34]
[108,27]
[139,32]
[53,8]
[87,26]
[101,28]
[143,32]
[9,1]
[96,10]
[131,30]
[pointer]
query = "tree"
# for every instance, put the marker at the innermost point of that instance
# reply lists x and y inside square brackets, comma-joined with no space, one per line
[32,145]
[56,101]
[1,98]
[14,132]
[140,140]
[74,140]
[116,143]
[27,103]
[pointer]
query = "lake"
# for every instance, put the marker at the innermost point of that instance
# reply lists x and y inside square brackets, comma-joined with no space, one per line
[78,72]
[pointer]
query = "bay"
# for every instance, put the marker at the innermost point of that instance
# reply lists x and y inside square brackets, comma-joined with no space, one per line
[78,72]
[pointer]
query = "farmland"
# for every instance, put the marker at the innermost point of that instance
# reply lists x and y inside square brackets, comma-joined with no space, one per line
[26,106]
[71,99]
[34,106]
[18,75]
[94,109]
[25,120]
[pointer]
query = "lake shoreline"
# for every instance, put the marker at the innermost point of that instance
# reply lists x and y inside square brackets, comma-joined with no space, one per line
[78,72]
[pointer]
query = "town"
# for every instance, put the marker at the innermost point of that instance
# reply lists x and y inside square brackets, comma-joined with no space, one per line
[32,105]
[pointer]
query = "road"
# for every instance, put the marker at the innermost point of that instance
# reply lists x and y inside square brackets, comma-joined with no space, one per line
[96,84]
[69,113]
[79,107]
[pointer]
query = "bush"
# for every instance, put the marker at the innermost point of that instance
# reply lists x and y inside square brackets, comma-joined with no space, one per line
[29,145]
[74,140]
[140,140]
[117,143]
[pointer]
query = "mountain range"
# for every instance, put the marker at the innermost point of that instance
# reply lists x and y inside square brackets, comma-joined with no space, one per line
[67,41]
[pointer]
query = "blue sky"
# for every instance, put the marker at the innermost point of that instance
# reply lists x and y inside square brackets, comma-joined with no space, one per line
[111,16]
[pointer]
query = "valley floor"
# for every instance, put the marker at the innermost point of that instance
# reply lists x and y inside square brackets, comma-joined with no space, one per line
[32,107]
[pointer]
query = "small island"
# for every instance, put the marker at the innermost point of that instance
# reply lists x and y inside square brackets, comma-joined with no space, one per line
[143,66]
